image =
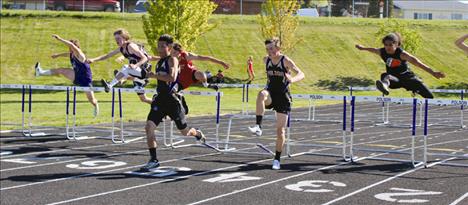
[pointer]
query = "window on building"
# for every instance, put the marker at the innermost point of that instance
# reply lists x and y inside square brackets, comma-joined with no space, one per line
[423,16]
[457,16]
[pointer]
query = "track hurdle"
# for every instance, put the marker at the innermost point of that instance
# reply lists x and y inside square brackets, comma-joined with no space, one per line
[28,132]
[121,133]
[343,147]
[386,109]
[72,135]
[245,93]
[426,153]
[173,141]
[414,103]
[224,146]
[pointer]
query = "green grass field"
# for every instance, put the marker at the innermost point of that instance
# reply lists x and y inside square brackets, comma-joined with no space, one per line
[326,55]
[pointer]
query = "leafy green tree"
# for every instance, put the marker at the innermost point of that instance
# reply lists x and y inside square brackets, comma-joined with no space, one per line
[278,19]
[185,20]
[411,39]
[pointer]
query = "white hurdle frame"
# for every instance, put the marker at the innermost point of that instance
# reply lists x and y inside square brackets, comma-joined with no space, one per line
[386,109]
[415,102]
[226,142]
[343,146]
[245,93]
[426,118]
[169,141]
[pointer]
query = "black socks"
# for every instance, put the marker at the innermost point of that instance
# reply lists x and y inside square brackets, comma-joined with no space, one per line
[152,152]
[278,155]
[259,120]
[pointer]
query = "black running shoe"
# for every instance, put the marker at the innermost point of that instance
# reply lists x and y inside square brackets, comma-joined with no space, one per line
[106,85]
[382,87]
[215,87]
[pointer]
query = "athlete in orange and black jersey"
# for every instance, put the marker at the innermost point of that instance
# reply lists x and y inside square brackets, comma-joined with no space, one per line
[398,74]
[276,94]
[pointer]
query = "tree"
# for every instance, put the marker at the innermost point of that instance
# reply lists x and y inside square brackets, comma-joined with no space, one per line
[277,19]
[185,20]
[411,39]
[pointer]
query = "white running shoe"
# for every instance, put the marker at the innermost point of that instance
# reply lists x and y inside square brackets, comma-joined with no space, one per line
[200,136]
[276,165]
[37,69]
[256,130]
[96,110]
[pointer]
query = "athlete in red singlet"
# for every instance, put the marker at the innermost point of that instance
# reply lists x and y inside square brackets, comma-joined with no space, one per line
[250,70]
[189,74]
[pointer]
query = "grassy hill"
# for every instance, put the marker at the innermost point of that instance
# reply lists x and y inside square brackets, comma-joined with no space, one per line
[327,50]
[326,55]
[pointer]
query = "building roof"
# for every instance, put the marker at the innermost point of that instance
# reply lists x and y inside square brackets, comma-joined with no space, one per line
[432,5]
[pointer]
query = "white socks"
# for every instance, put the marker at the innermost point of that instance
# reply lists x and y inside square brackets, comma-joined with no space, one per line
[113,83]
[40,72]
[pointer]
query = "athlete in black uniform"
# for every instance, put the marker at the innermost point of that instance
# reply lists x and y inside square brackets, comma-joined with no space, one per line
[137,68]
[276,95]
[167,102]
[398,74]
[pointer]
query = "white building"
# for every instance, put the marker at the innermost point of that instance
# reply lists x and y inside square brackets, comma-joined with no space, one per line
[431,9]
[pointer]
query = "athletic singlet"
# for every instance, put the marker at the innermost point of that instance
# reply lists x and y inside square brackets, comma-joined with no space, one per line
[393,63]
[277,81]
[187,70]
[83,74]
[132,58]
[165,87]
[250,67]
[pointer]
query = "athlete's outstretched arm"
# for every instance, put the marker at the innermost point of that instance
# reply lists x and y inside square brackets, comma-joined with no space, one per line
[103,57]
[66,54]
[460,43]
[370,49]
[173,70]
[290,65]
[81,56]
[154,58]
[192,56]
[415,61]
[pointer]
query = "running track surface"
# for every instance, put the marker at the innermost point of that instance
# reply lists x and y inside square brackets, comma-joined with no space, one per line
[53,170]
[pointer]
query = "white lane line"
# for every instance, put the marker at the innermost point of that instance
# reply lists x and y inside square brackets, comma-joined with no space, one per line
[96,173]
[63,150]
[162,181]
[459,199]
[312,171]
[385,180]
[205,172]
